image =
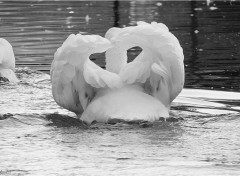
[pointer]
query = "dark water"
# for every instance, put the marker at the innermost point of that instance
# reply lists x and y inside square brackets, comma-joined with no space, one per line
[209,34]
[40,138]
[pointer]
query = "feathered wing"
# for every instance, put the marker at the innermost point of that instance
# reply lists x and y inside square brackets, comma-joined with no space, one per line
[68,83]
[75,78]
[7,61]
[159,66]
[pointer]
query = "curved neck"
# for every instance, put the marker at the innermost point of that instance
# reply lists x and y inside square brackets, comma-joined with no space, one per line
[116,59]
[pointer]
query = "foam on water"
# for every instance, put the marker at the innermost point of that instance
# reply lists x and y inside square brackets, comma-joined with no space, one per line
[40,138]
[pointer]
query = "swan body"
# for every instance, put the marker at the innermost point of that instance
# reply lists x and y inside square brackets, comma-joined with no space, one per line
[127,103]
[7,61]
[140,90]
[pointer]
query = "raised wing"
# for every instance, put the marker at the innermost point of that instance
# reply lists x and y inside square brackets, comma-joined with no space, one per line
[160,65]
[74,76]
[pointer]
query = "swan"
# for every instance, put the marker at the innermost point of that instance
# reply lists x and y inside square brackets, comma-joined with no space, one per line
[140,90]
[7,61]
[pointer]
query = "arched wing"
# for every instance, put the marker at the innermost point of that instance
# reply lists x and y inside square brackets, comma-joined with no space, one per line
[75,78]
[160,65]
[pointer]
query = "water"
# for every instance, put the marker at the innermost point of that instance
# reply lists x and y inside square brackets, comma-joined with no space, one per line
[40,138]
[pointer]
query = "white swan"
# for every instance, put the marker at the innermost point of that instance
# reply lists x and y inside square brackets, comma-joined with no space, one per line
[7,61]
[140,90]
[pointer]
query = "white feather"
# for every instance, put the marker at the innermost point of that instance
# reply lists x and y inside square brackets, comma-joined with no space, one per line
[7,61]
[140,90]
[74,76]
[162,55]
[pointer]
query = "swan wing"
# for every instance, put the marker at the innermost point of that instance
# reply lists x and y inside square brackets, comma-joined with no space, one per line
[100,78]
[67,87]
[136,71]
[75,78]
[160,65]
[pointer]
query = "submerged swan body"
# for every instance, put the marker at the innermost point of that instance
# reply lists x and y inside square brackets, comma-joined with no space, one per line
[140,90]
[7,61]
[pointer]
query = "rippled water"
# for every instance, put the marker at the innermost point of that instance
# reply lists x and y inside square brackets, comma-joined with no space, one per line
[40,138]
[209,34]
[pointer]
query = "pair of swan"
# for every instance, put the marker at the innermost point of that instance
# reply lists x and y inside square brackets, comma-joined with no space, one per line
[140,90]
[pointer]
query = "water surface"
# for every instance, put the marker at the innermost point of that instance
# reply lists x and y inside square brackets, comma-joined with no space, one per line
[40,138]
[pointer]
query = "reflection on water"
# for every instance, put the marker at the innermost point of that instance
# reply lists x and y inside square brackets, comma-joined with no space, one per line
[40,138]
[208,32]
